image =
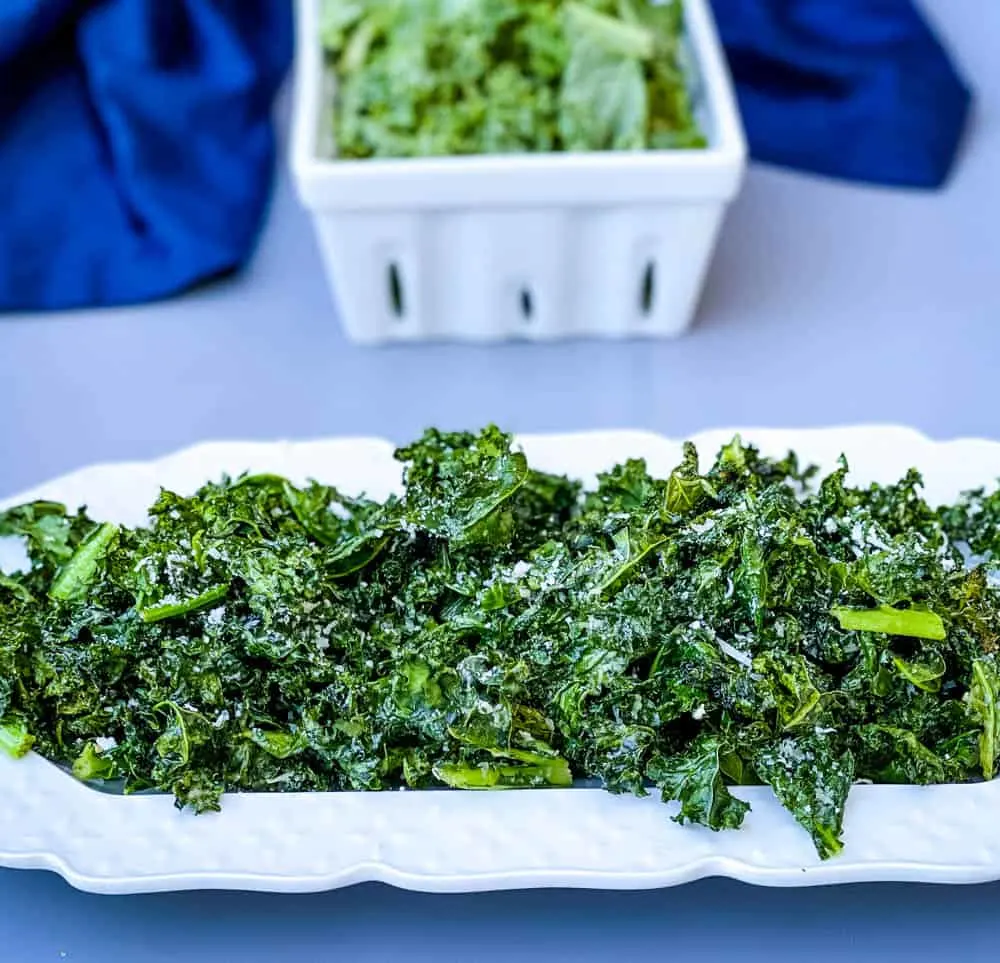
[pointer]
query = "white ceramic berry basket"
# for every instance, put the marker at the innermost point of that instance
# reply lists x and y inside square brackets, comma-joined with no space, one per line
[537,246]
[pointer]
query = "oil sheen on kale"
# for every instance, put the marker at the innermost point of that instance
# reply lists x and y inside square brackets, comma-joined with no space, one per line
[422,78]
[494,627]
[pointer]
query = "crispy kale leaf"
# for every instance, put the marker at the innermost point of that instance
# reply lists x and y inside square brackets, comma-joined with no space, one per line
[695,779]
[496,627]
[812,778]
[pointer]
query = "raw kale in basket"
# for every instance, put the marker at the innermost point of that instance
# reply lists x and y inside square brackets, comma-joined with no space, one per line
[497,627]
[419,78]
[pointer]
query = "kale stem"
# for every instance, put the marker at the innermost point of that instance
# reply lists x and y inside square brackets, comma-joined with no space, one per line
[914,623]
[15,739]
[77,574]
[170,610]
[488,775]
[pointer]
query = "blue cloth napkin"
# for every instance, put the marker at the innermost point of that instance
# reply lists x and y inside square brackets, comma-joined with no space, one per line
[137,151]
[856,89]
[136,144]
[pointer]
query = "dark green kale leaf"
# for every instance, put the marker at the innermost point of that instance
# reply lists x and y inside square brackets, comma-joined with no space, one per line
[894,755]
[51,536]
[812,777]
[795,687]
[456,482]
[694,778]
[974,520]
[686,490]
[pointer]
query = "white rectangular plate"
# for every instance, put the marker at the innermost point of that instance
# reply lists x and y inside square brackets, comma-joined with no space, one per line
[444,841]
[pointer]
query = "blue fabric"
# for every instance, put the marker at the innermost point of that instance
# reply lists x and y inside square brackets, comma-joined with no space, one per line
[136,146]
[858,89]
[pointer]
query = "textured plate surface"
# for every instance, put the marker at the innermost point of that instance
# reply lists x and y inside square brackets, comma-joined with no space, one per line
[455,842]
